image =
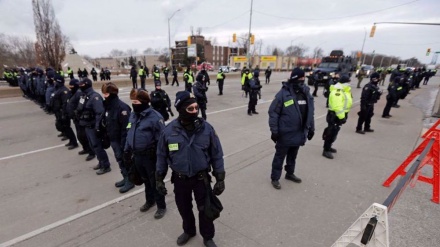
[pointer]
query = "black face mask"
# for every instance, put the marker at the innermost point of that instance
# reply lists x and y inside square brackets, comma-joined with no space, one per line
[110,98]
[138,108]
[188,117]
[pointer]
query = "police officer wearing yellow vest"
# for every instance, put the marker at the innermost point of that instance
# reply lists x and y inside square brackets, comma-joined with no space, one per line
[70,73]
[188,77]
[245,77]
[156,74]
[220,80]
[142,76]
[340,102]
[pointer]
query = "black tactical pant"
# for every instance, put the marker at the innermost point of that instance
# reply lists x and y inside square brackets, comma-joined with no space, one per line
[175,81]
[315,84]
[82,137]
[386,110]
[166,79]
[332,130]
[184,187]
[253,99]
[202,107]
[267,79]
[283,152]
[96,144]
[365,115]
[220,86]
[143,82]
[188,87]
[145,163]
[134,81]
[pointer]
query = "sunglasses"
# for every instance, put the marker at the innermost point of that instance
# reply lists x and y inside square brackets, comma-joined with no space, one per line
[192,108]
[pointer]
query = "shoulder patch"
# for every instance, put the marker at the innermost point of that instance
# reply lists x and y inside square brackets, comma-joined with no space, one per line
[124,113]
[96,98]
[65,92]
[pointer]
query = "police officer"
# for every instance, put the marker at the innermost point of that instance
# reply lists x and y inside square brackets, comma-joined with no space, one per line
[191,147]
[245,77]
[70,73]
[188,78]
[175,80]
[340,102]
[80,73]
[72,106]
[144,129]
[142,76]
[268,73]
[317,77]
[156,74]
[291,121]
[91,111]
[200,90]
[253,87]
[394,90]
[160,101]
[102,75]
[117,114]
[205,78]
[50,75]
[220,80]
[133,76]
[166,71]
[94,74]
[85,73]
[370,95]
[60,100]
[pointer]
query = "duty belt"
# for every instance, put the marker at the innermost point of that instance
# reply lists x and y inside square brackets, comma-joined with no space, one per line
[199,176]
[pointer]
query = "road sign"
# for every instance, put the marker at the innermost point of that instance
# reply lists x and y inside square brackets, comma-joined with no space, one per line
[192,50]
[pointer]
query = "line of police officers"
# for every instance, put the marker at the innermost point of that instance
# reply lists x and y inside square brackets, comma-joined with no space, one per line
[143,145]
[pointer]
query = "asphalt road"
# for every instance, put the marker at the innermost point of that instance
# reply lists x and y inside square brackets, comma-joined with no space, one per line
[52,197]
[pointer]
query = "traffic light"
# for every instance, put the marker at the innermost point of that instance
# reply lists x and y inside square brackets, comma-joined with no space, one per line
[373,29]
[428,51]
[188,41]
[234,37]
[252,39]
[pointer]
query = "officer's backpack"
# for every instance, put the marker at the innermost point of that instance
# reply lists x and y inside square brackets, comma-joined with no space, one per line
[253,84]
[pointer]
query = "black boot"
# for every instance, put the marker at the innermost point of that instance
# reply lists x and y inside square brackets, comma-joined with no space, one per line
[120,183]
[327,154]
[184,238]
[209,243]
[127,186]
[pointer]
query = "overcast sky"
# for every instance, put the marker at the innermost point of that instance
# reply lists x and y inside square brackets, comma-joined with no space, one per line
[95,27]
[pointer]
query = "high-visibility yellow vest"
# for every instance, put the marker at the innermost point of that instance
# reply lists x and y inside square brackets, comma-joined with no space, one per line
[340,99]
[189,76]
[243,78]
[141,72]
[220,75]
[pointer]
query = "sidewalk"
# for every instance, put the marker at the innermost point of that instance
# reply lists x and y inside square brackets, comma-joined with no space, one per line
[316,212]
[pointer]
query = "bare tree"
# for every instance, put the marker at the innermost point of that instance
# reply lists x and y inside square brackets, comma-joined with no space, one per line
[116,53]
[256,49]
[297,50]
[51,42]
[318,52]
[277,51]
[132,52]
[149,50]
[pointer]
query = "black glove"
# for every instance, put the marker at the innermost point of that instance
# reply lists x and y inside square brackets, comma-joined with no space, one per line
[219,185]
[160,184]
[310,135]
[274,137]
[127,157]
[343,121]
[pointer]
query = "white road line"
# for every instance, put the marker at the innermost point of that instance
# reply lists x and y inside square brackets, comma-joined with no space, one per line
[96,208]
[12,102]
[31,152]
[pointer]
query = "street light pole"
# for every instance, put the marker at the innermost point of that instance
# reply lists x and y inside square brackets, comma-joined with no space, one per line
[249,37]
[169,37]
[363,44]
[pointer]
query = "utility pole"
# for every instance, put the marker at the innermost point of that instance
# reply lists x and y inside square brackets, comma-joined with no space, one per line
[249,37]
[362,50]
[169,37]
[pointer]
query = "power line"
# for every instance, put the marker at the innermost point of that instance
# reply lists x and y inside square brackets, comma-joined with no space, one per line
[406,44]
[221,24]
[334,18]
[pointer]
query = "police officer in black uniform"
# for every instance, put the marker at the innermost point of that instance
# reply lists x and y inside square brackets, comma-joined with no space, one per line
[291,122]
[370,95]
[117,114]
[144,129]
[72,106]
[60,100]
[133,76]
[175,80]
[160,101]
[191,147]
[394,89]
[94,74]
[199,90]
[91,111]
[166,71]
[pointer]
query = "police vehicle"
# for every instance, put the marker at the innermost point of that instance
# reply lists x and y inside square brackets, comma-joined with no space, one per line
[330,65]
